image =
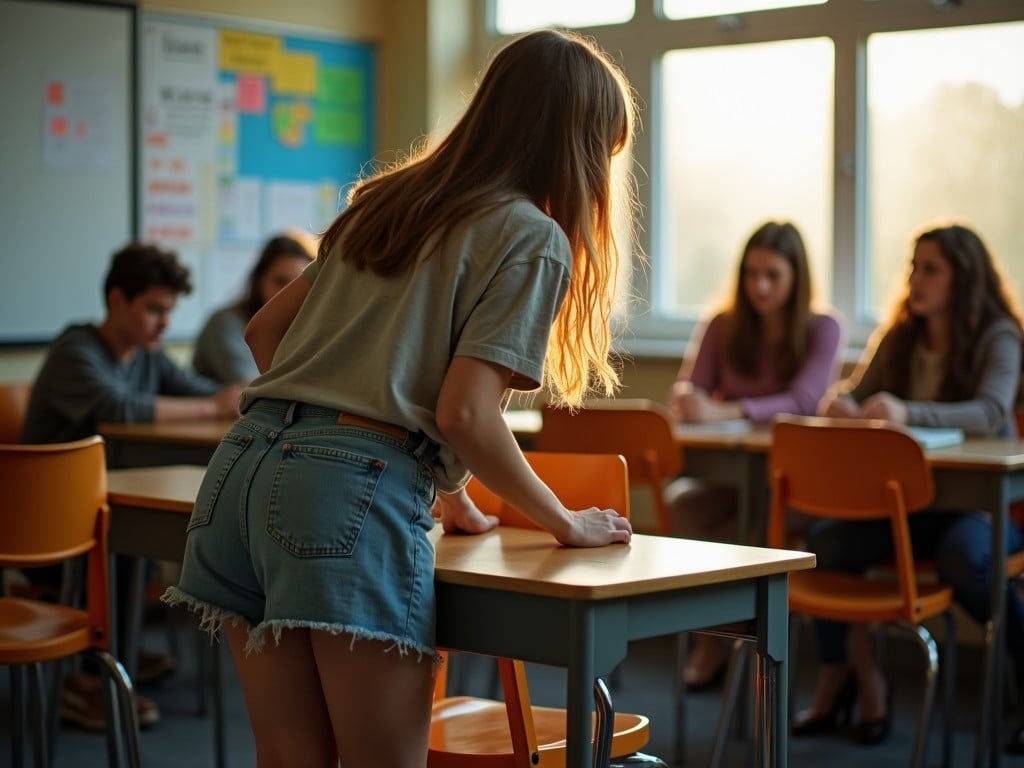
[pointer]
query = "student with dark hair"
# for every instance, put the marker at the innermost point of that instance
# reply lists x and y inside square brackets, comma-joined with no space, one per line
[482,264]
[768,352]
[220,351]
[116,371]
[949,357]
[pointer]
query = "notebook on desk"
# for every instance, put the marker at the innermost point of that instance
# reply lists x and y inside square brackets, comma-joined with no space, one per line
[937,437]
[729,425]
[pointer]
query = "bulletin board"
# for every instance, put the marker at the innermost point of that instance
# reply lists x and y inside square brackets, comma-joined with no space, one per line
[67,160]
[244,131]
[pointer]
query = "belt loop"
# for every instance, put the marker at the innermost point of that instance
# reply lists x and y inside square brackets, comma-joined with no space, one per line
[421,450]
[289,415]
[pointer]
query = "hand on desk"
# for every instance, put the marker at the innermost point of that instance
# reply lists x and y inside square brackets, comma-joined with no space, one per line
[879,406]
[692,405]
[460,514]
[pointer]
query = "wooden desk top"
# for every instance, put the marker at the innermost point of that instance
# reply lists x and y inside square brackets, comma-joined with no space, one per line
[208,432]
[205,432]
[523,560]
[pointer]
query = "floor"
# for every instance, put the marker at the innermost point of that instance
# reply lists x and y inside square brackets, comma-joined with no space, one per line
[643,684]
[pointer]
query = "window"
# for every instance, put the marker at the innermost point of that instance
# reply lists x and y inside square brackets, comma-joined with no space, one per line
[695,9]
[745,136]
[511,16]
[860,121]
[946,142]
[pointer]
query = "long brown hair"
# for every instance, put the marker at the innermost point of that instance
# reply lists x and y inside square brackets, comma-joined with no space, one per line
[979,299]
[743,326]
[548,116]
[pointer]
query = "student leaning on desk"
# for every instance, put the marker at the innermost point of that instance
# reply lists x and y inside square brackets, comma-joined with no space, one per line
[767,353]
[116,371]
[482,264]
[950,357]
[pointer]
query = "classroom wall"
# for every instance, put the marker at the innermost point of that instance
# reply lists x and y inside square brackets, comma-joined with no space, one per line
[428,61]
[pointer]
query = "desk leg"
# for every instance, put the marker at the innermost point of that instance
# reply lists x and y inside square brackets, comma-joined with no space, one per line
[771,739]
[580,688]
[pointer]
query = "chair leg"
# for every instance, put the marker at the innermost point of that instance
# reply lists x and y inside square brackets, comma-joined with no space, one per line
[123,720]
[948,690]
[679,705]
[931,651]
[41,751]
[17,716]
[740,653]
[605,716]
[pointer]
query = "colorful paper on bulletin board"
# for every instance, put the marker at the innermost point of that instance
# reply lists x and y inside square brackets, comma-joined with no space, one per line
[239,110]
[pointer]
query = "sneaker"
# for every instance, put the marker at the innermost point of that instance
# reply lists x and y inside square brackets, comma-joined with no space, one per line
[81,703]
[153,666]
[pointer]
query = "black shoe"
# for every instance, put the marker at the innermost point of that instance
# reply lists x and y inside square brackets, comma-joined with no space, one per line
[1015,744]
[871,732]
[839,714]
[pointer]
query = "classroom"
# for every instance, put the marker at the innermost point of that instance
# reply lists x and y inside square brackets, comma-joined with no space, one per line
[848,150]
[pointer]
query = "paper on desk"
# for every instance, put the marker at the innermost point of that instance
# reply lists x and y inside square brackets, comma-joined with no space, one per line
[937,437]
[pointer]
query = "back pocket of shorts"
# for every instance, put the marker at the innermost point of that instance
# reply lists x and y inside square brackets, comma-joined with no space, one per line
[320,499]
[221,463]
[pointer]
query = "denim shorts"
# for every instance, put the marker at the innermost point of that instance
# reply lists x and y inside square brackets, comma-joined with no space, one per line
[302,521]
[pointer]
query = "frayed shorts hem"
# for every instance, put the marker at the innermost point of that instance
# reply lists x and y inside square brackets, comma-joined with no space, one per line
[212,617]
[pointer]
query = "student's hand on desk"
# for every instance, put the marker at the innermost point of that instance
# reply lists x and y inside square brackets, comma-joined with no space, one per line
[597,527]
[884,406]
[460,514]
[695,406]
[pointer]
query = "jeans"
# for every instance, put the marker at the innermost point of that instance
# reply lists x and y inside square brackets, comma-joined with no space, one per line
[959,542]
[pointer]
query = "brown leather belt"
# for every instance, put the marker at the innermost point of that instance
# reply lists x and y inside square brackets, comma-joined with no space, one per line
[392,430]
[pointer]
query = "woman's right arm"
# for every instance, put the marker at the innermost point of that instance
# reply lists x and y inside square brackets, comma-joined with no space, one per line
[469,417]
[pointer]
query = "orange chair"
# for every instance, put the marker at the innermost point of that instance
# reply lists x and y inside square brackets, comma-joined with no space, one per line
[639,430]
[862,470]
[55,509]
[469,732]
[13,404]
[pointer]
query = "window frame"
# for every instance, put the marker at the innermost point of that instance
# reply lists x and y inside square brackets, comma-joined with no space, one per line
[640,43]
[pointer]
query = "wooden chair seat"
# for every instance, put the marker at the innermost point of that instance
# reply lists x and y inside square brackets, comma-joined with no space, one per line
[31,631]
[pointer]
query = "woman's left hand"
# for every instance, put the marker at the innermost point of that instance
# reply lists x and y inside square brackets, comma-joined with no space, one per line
[884,406]
[460,514]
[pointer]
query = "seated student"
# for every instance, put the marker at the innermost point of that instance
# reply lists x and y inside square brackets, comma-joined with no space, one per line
[950,357]
[766,353]
[116,371]
[220,351]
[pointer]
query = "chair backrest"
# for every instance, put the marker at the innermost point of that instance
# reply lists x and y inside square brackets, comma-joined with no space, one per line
[13,405]
[579,480]
[639,430]
[849,469]
[55,508]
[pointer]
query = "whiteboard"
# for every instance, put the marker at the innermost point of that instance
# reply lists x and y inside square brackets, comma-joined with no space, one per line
[67,197]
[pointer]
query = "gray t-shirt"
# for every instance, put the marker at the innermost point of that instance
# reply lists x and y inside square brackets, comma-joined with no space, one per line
[221,352]
[81,384]
[381,346]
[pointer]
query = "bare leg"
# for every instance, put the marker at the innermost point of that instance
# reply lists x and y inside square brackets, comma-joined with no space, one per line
[831,680]
[379,700]
[286,705]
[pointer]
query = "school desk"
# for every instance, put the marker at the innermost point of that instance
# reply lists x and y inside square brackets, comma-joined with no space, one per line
[983,474]
[515,592]
[157,444]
